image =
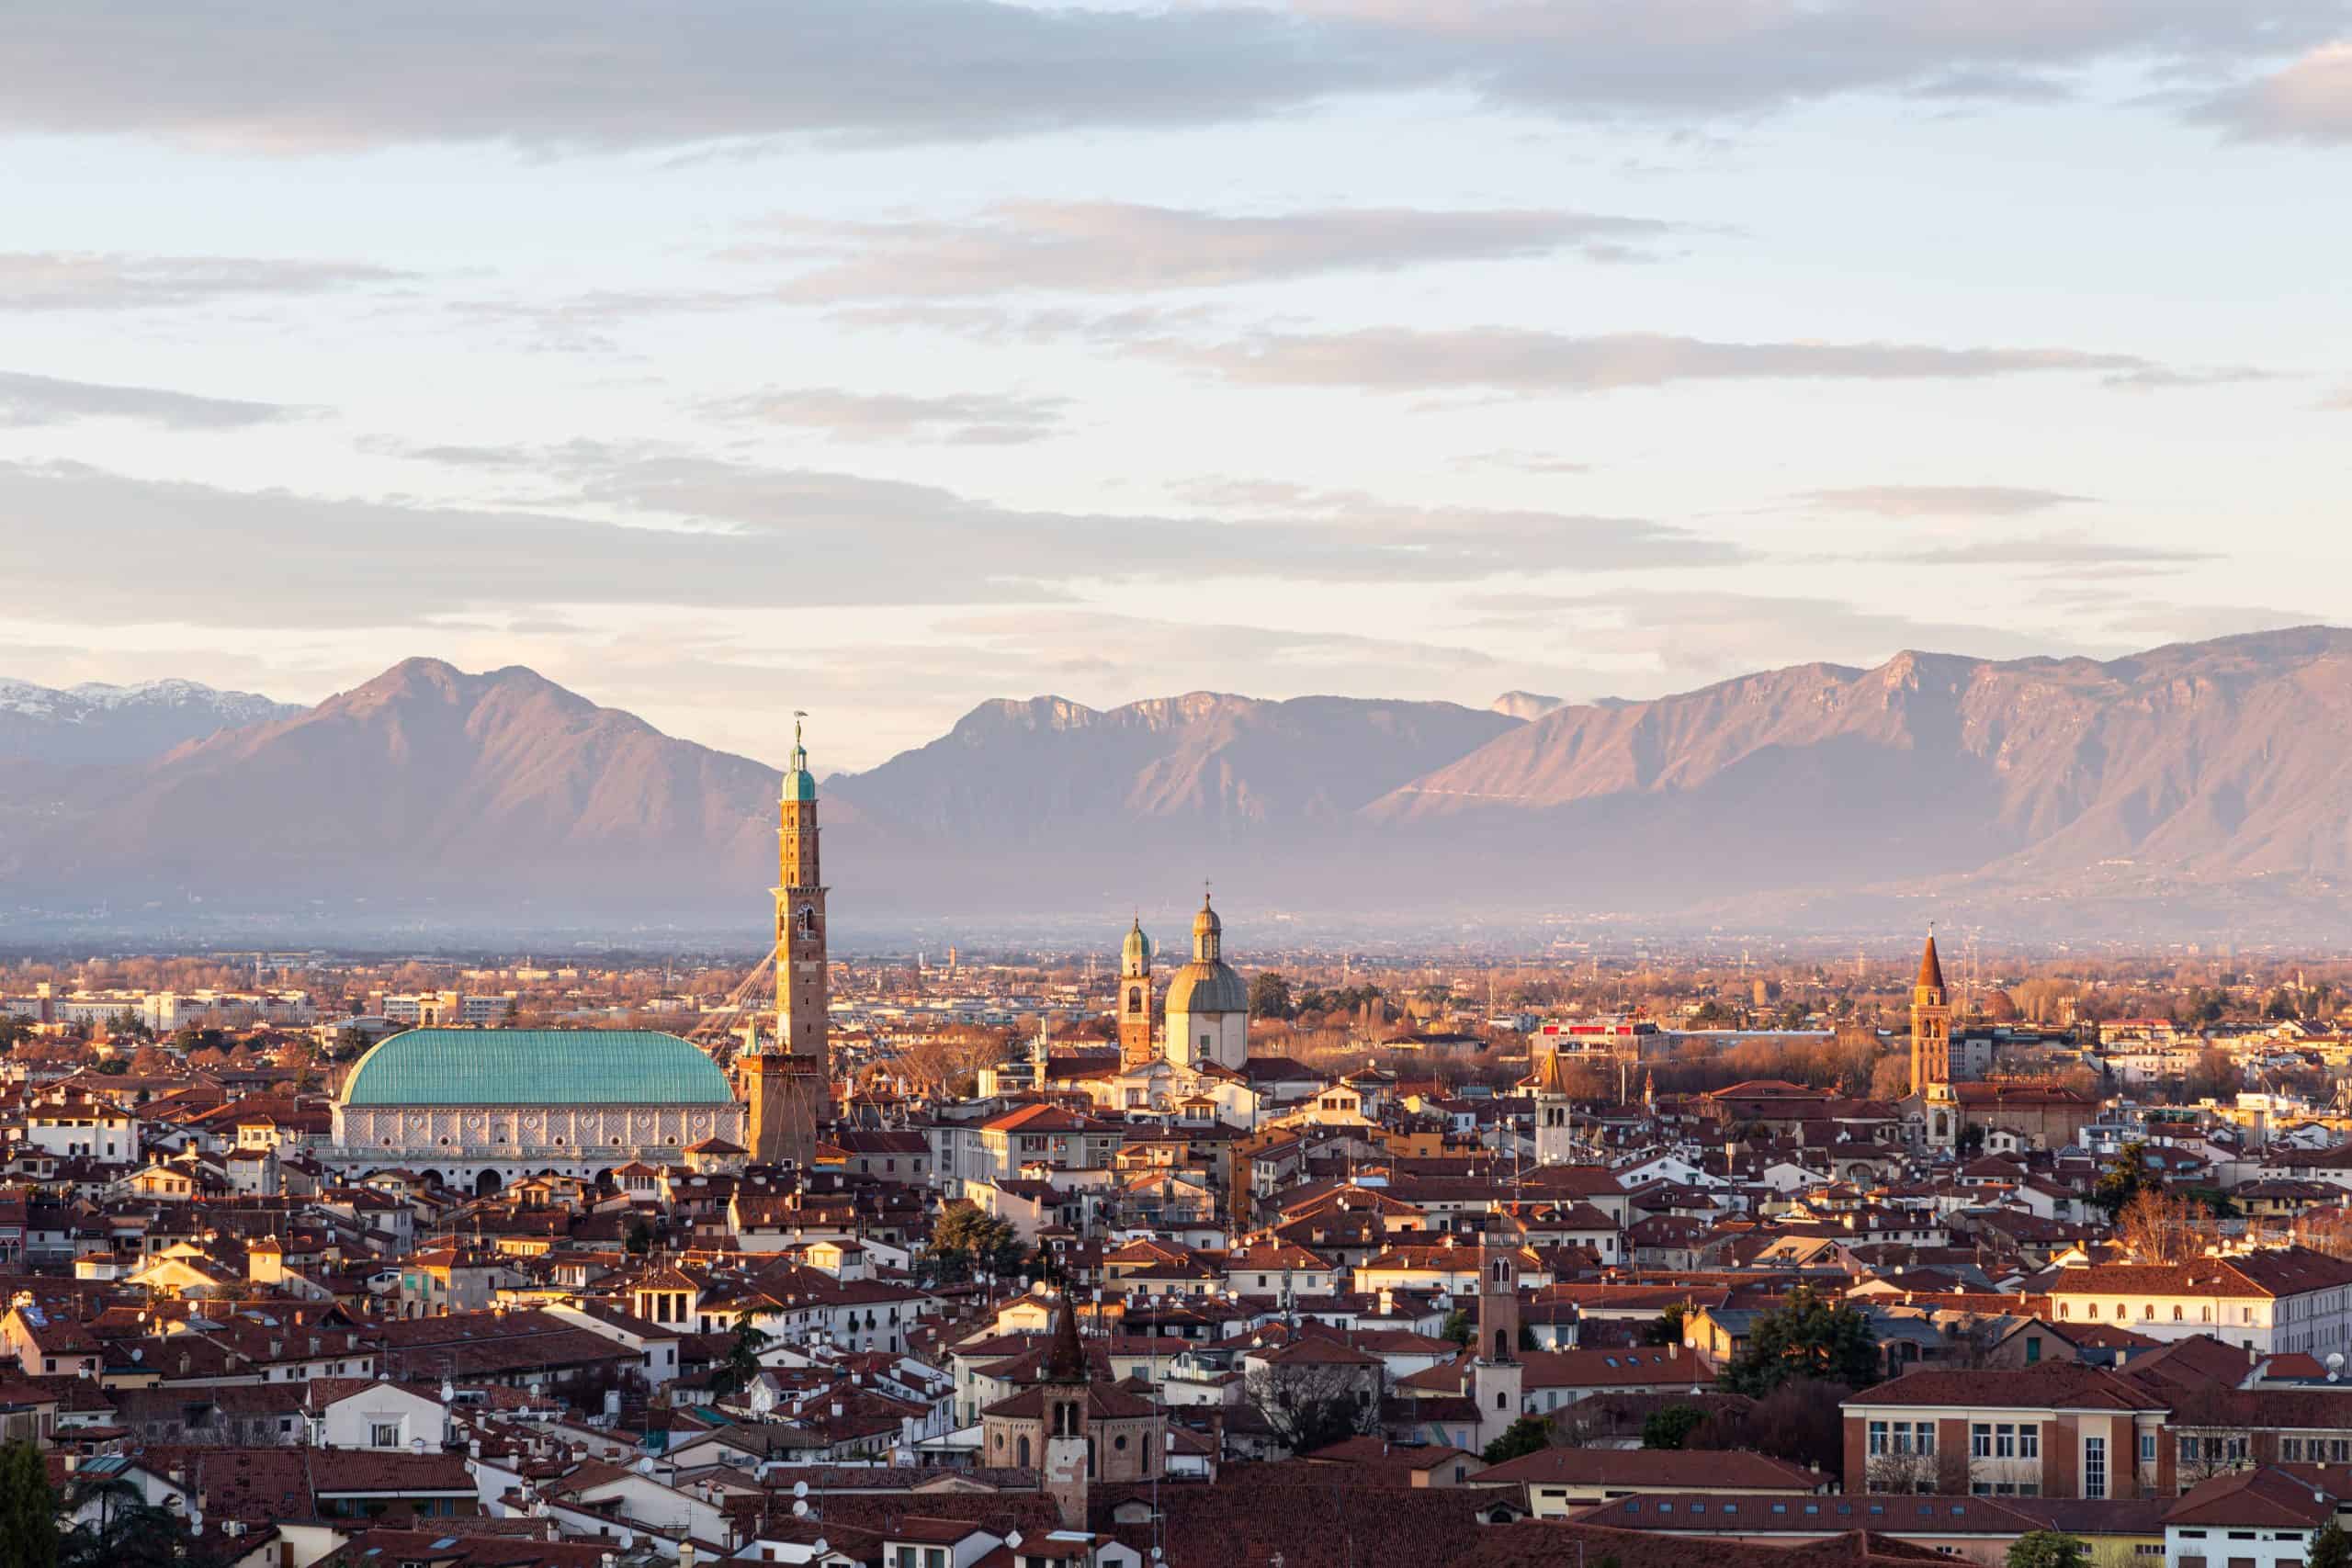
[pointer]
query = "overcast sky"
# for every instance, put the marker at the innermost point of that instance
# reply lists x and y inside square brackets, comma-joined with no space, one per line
[879,356]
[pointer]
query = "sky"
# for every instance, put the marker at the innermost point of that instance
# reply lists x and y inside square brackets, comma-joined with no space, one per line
[879,357]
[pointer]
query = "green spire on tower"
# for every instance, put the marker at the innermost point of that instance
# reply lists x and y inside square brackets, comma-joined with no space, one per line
[799,784]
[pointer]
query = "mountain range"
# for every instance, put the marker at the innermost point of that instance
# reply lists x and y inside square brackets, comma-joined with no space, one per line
[2195,787]
[98,723]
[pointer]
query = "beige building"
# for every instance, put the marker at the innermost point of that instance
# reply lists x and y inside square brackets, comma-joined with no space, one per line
[1208,1005]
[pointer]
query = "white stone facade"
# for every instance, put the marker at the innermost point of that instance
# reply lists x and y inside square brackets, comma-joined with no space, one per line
[1198,1039]
[462,1142]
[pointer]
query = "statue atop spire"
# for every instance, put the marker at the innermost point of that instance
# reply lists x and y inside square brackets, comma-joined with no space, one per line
[799,784]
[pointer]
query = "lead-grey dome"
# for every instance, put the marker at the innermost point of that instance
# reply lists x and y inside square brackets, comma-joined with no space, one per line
[1210,986]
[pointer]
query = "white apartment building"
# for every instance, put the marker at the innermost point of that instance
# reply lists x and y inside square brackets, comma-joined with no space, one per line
[2279,1301]
[88,1128]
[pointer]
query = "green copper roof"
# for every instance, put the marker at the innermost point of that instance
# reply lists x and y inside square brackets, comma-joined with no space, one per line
[799,784]
[536,1066]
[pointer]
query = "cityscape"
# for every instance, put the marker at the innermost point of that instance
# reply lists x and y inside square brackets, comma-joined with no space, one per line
[1260,784]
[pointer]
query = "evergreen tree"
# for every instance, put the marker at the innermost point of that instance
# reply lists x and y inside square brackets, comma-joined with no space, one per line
[2331,1548]
[1809,1337]
[965,1240]
[1667,1328]
[2047,1549]
[1528,1435]
[741,1363]
[1670,1427]
[29,1536]
[1269,996]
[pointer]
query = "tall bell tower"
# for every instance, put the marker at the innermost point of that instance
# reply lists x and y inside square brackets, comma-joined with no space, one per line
[1135,996]
[1930,1022]
[786,1082]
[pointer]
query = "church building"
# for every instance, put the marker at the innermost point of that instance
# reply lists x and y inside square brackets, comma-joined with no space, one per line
[2042,1113]
[1208,1005]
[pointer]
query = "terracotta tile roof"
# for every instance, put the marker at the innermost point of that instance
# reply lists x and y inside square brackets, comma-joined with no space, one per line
[1653,1470]
[2274,1496]
[1911,1515]
[2055,1385]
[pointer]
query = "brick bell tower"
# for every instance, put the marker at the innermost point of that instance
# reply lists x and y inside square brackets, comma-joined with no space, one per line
[1496,1378]
[1930,1022]
[786,1081]
[1134,997]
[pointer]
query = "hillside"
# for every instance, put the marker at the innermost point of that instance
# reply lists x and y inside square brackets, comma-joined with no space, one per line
[430,784]
[1047,770]
[2209,762]
[2193,785]
[94,723]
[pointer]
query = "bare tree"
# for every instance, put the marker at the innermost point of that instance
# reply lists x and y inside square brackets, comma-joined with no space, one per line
[1308,1405]
[1908,1471]
[2210,1428]
[2326,1230]
[2162,1228]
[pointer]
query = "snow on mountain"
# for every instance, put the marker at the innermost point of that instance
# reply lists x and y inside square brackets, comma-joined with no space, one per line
[95,722]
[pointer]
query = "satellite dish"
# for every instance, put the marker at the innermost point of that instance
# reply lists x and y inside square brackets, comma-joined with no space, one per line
[800,1489]
[1014,1540]
[800,1510]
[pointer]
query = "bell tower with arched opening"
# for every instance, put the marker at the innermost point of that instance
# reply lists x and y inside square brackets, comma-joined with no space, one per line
[1135,996]
[786,1082]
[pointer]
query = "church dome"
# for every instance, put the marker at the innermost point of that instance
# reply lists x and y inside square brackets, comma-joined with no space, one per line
[1135,954]
[1207,986]
[1208,982]
[536,1066]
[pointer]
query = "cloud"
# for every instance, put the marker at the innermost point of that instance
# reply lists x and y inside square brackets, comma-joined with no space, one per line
[1001,324]
[2070,548]
[709,537]
[285,76]
[289,76]
[508,459]
[584,323]
[1940,501]
[2310,100]
[1111,247]
[63,280]
[1521,462]
[28,400]
[1667,640]
[964,418]
[1302,535]
[1993,84]
[1696,59]
[1518,360]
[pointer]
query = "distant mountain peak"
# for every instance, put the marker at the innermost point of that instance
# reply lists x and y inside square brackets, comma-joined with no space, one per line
[98,721]
[2198,781]
[1525,704]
